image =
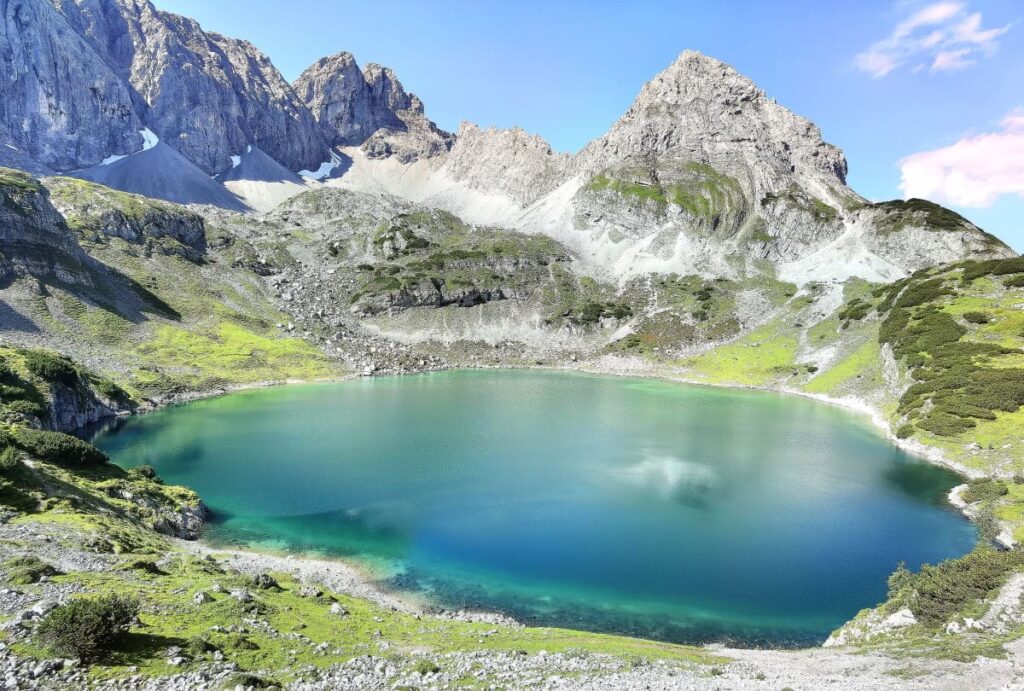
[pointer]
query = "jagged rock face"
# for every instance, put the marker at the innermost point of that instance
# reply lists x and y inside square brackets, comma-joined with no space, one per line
[369,107]
[72,408]
[60,104]
[34,240]
[206,95]
[510,161]
[700,109]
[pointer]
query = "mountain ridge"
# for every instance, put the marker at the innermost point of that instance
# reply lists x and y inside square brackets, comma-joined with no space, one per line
[702,173]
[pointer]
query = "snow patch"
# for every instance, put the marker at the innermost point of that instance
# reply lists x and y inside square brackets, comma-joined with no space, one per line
[236,161]
[149,139]
[325,169]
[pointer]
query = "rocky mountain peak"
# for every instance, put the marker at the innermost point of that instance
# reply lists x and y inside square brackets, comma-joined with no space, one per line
[206,95]
[368,108]
[701,109]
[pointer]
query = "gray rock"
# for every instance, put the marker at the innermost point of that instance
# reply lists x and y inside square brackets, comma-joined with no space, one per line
[369,107]
[242,595]
[264,581]
[206,95]
[64,108]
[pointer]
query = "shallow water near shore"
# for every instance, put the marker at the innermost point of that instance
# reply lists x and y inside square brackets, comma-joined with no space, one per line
[681,513]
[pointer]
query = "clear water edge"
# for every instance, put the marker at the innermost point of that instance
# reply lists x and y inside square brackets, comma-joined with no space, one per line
[540,597]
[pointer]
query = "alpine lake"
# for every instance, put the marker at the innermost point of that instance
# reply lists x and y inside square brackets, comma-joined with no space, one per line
[648,508]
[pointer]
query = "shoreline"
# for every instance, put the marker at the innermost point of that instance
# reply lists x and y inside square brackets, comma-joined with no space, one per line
[350,577]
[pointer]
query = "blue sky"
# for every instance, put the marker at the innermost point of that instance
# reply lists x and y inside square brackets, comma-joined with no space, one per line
[936,80]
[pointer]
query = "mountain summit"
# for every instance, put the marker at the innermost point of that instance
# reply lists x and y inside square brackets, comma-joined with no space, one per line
[704,173]
[368,107]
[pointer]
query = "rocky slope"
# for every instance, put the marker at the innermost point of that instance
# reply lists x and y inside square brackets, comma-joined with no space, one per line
[703,174]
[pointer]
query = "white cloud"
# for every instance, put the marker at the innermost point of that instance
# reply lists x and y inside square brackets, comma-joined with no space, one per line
[972,172]
[940,34]
[951,60]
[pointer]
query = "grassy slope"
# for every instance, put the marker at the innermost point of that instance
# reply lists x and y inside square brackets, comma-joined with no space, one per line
[216,324]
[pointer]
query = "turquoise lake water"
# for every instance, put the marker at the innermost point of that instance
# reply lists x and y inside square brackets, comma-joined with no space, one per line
[648,508]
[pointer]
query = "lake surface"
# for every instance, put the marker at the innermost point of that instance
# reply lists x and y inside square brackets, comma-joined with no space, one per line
[648,508]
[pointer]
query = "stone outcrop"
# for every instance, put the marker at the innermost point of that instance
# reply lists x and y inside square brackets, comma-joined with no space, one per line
[129,217]
[34,239]
[369,107]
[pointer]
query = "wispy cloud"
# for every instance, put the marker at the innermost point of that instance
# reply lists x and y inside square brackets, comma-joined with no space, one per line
[974,171]
[939,36]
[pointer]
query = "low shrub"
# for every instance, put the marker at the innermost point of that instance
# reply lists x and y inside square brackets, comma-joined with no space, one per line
[8,459]
[197,646]
[249,681]
[87,628]
[1014,281]
[26,408]
[924,291]
[904,431]
[425,667]
[59,448]
[944,424]
[984,490]
[593,312]
[992,267]
[146,472]
[855,310]
[27,570]
[111,391]
[50,366]
[939,592]
[977,317]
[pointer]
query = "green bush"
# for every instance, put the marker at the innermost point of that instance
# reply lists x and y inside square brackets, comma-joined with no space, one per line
[27,570]
[249,681]
[984,490]
[26,408]
[992,267]
[944,424]
[50,366]
[8,459]
[425,667]
[59,448]
[977,317]
[925,291]
[904,431]
[1014,281]
[593,312]
[197,646]
[855,310]
[146,472]
[87,628]
[939,592]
